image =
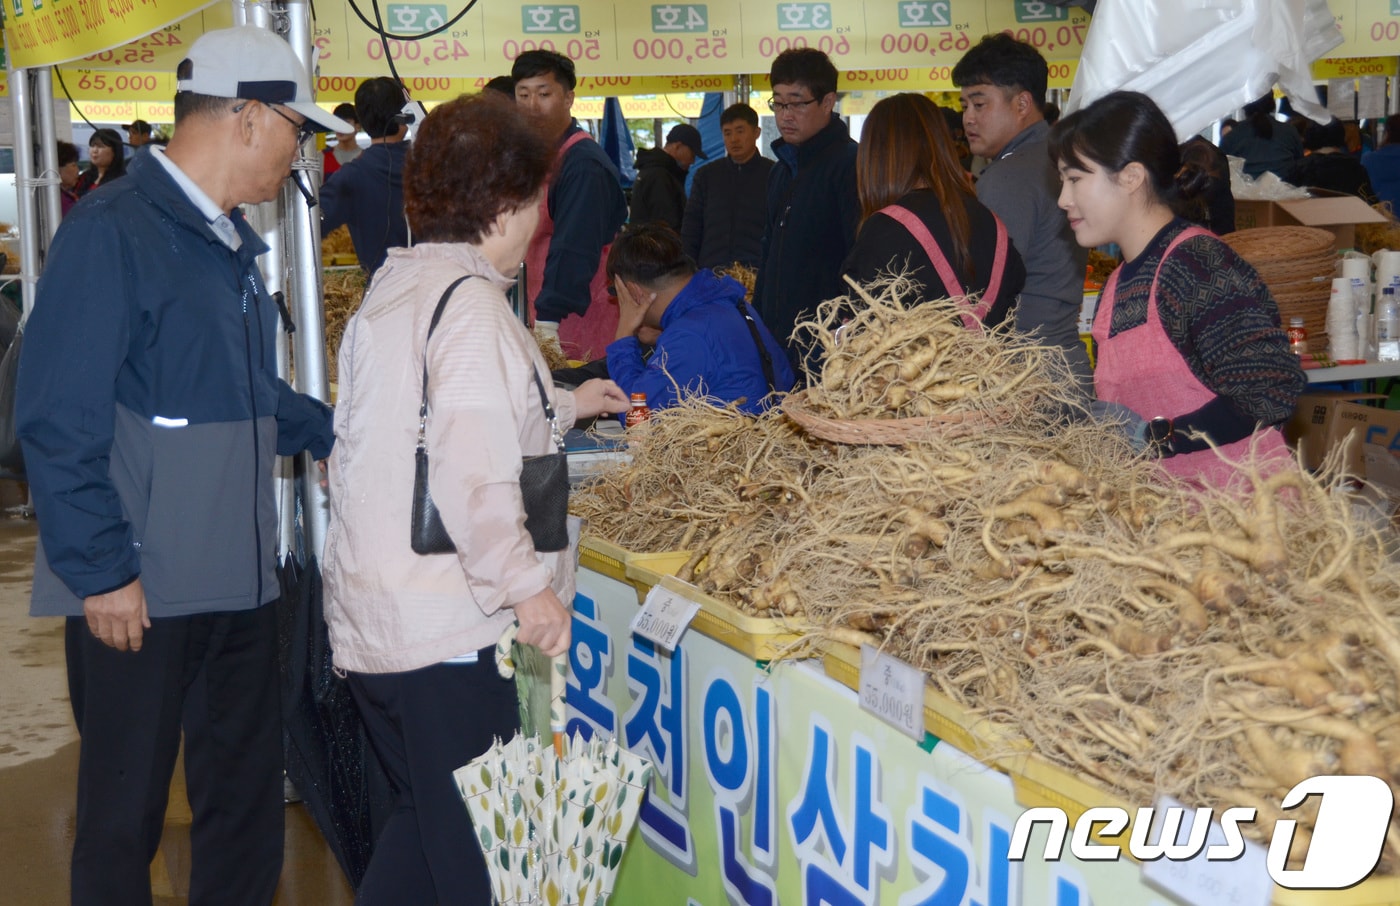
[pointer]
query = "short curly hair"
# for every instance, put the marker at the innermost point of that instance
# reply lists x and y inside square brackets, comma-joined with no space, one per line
[473,159]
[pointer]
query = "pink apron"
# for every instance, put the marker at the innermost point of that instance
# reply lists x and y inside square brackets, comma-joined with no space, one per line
[974,315]
[584,336]
[1140,368]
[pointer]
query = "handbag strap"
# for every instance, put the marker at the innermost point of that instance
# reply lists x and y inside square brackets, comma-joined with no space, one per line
[432,325]
[555,434]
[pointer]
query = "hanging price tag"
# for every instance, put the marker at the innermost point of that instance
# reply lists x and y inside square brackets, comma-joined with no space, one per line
[892,690]
[664,617]
[1243,881]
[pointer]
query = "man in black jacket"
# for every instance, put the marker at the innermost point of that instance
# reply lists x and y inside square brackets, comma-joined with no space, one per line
[723,220]
[367,192]
[659,193]
[813,207]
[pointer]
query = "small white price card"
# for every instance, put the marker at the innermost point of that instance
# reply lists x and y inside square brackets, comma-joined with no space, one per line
[892,690]
[664,617]
[1242,881]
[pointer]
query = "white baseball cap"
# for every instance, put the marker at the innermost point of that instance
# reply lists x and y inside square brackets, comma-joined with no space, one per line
[254,64]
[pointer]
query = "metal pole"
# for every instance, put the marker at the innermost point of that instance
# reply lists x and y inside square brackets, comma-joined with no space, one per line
[743,87]
[49,204]
[21,102]
[308,303]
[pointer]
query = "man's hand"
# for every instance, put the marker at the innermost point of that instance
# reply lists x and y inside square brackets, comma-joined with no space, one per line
[597,396]
[118,618]
[544,623]
[630,310]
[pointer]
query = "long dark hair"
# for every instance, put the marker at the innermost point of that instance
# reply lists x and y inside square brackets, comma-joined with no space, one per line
[1127,127]
[111,139]
[905,145]
[1260,116]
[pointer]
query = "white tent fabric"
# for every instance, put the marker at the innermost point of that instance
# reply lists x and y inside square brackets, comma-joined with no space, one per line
[1201,60]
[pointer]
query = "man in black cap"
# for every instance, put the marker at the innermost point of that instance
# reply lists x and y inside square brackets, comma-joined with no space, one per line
[659,193]
[138,133]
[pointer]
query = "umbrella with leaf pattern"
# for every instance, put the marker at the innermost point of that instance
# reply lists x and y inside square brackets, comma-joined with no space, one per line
[552,819]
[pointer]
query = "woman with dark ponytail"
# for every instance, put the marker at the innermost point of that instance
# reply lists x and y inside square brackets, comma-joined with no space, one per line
[1265,144]
[1188,337]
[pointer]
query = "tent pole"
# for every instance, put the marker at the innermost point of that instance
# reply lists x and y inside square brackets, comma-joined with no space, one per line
[307,300]
[50,209]
[21,103]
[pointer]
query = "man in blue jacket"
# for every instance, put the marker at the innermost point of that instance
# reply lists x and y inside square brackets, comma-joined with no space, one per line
[151,414]
[711,343]
[367,192]
[813,206]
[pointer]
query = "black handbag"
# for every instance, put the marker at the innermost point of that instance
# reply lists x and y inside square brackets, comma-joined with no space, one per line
[544,479]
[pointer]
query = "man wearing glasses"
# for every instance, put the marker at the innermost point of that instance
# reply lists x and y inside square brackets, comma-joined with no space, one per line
[151,415]
[813,208]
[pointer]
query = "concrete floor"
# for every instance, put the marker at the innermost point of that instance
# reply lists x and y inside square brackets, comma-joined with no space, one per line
[39,757]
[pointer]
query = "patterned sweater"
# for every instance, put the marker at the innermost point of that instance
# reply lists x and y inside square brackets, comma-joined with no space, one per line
[1220,316]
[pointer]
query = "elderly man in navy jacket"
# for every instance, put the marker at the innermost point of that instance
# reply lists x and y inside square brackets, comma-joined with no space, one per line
[151,414]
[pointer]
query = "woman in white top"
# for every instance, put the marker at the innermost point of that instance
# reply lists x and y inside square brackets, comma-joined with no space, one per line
[416,632]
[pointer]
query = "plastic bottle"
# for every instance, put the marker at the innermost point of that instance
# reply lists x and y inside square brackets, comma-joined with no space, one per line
[1388,327]
[639,412]
[1388,316]
[1297,336]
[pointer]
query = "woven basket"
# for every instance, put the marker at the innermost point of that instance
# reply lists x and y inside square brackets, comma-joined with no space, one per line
[890,431]
[1283,244]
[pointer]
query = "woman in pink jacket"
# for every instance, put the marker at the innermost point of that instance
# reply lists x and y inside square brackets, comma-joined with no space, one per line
[416,633]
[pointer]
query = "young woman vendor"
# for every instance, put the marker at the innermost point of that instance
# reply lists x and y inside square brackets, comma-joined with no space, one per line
[1188,336]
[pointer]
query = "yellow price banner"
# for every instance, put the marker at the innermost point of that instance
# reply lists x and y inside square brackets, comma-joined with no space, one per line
[49,32]
[1370,28]
[91,85]
[1333,68]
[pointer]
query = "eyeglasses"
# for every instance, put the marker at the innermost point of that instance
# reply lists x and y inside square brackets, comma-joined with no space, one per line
[305,130]
[780,107]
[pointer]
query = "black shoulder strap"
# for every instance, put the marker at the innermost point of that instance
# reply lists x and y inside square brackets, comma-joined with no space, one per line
[432,325]
[763,357]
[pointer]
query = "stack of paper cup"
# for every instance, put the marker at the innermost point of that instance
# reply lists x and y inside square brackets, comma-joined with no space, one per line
[1341,322]
[1358,270]
[1387,269]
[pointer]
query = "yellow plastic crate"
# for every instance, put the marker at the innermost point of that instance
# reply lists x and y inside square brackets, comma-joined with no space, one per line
[759,638]
[943,717]
[645,571]
[603,557]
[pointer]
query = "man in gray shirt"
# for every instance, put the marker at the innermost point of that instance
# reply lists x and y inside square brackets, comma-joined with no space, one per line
[1002,82]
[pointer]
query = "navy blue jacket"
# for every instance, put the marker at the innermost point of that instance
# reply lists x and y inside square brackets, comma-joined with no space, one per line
[367,193]
[705,347]
[813,214]
[587,206]
[149,407]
